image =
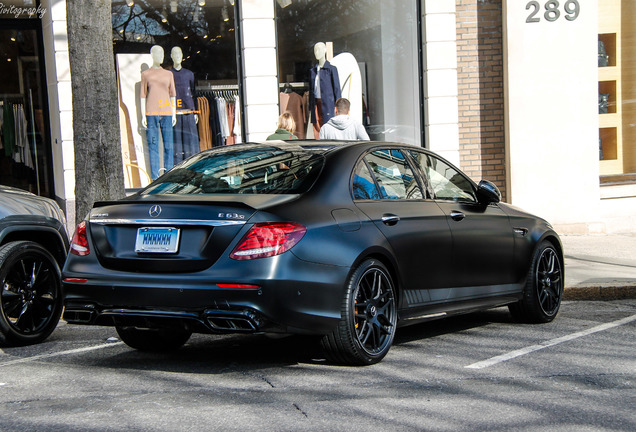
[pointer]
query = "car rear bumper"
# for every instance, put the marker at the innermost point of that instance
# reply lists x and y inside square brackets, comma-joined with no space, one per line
[305,300]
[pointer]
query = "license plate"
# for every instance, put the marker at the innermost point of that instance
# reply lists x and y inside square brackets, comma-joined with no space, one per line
[157,240]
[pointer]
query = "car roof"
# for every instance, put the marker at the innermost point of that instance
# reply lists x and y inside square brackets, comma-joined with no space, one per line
[327,146]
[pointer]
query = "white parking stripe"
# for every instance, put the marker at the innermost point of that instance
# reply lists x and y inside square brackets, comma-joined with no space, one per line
[527,350]
[61,353]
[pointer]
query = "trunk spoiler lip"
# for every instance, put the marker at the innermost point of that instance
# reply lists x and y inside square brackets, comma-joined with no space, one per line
[246,201]
[165,222]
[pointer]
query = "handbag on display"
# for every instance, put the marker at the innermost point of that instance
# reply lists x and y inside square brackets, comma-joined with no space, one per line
[603,99]
[603,58]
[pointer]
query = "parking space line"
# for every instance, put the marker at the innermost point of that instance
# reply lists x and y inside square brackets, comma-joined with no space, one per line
[527,350]
[61,353]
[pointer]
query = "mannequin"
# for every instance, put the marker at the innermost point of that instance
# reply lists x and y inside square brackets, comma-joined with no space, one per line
[186,135]
[158,111]
[324,89]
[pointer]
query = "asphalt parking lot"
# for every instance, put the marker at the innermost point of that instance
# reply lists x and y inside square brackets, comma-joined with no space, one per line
[476,372]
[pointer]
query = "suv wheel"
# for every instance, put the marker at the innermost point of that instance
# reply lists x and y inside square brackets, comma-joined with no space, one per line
[30,293]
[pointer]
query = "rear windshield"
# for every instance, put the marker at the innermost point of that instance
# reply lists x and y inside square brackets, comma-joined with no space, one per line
[247,170]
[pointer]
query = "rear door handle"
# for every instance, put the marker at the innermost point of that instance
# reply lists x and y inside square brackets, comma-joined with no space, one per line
[457,215]
[390,219]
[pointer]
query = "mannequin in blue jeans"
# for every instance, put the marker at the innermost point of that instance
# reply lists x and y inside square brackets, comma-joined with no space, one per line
[159,111]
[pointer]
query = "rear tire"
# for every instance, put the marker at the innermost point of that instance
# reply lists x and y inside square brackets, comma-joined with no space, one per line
[544,287]
[156,340]
[368,318]
[30,293]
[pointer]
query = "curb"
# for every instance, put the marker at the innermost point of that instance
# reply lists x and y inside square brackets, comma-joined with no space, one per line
[599,292]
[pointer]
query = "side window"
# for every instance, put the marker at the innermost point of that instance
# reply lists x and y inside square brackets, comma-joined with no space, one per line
[446,182]
[363,185]
[393,174]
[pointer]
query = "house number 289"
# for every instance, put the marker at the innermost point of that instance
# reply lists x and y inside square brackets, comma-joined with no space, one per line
[552,11]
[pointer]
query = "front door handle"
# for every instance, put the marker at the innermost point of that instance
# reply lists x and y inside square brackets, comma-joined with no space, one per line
[390,219]
[457,215]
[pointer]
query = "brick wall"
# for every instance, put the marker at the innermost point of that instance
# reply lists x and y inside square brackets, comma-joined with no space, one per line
[480,86]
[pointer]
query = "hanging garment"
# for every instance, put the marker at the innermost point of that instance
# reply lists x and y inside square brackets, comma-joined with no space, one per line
[231,107]
[8,129]
[237,120]
[225,128]
[23,148]
[1,121]
[215,125]
[293,103]
[205,135]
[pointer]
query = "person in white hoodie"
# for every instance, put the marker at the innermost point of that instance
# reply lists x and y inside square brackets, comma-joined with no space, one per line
[341,126]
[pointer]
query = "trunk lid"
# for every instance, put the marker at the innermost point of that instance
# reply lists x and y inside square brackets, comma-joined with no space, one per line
[165,235]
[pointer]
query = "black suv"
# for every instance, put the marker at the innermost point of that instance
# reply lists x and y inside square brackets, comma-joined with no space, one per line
[33,247]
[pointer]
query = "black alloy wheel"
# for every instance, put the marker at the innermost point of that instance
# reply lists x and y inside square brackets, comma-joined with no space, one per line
[31,293]
[369,317]
[544,288]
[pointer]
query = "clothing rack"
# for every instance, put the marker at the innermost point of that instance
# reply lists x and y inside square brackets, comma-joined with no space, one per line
[12,98]
[227,92]
[217,87]
[288,87]
[29,144]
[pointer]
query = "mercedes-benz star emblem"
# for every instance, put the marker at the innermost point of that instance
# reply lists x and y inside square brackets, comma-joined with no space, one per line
[154,211]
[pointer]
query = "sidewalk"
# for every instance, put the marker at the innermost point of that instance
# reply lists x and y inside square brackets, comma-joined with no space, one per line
[599,266]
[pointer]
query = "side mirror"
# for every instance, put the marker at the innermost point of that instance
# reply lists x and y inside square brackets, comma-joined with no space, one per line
[488,192]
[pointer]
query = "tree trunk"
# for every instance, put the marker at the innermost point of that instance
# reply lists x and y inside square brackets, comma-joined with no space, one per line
[98,161]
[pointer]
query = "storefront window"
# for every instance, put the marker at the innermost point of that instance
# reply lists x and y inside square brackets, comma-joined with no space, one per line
[616,92]
[373,46]
[179,54]
[25,150]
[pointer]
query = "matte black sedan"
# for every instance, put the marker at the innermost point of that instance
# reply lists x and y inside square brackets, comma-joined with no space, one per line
[343,240]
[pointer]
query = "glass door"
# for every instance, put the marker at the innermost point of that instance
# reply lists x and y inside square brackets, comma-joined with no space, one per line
[25,150]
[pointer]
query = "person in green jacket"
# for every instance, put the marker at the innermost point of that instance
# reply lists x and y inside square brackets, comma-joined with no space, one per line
[286,128]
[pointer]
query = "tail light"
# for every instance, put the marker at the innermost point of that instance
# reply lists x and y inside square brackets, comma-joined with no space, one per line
[268,239]
[79,244]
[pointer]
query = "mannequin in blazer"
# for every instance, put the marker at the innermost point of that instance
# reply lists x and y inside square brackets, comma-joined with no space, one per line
[324,88]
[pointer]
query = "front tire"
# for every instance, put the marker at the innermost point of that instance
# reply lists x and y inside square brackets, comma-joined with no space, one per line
[368,318]
[153,339]
[544,287]
[30,293]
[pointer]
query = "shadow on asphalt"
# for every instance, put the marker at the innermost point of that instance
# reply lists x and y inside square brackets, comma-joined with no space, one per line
[216,354]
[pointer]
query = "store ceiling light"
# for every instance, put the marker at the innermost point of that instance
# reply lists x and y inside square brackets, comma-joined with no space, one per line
[12,39]
[284,3]
[224,14]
